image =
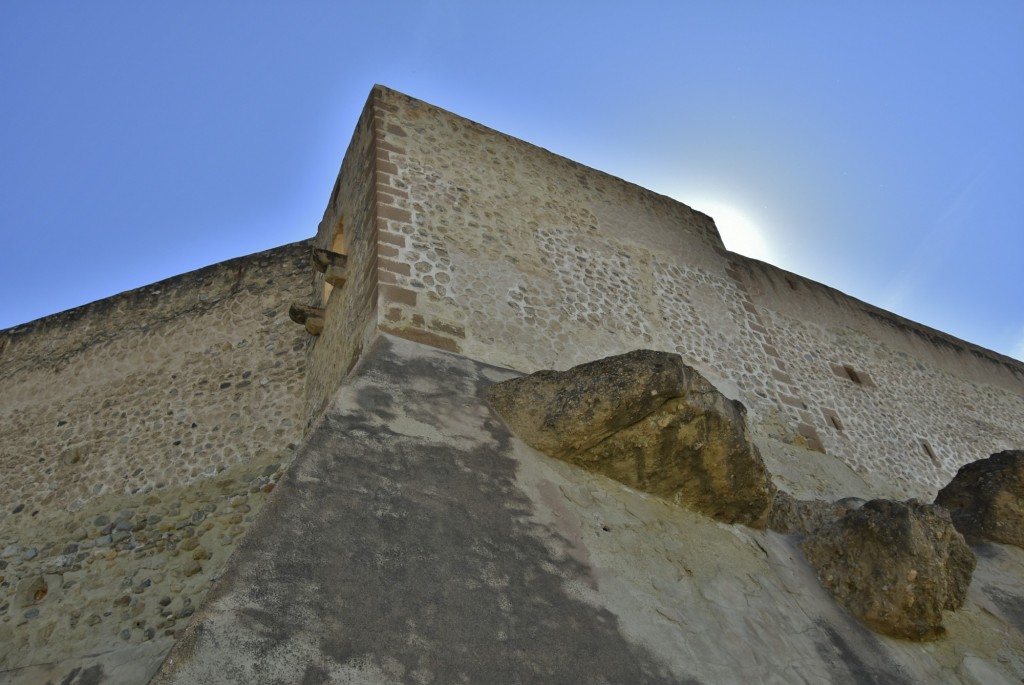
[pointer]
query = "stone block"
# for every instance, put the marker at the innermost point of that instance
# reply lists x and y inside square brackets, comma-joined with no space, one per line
[986,499]
[649,421]
[896,566]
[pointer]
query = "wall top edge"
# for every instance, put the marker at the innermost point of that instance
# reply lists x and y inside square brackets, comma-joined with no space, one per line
[931,335]
[139,295]
[382,94]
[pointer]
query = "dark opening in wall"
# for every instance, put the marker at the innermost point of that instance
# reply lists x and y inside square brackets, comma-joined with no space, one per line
[833,419]
[791,283]
[852,374]
[929,452]
[856,376]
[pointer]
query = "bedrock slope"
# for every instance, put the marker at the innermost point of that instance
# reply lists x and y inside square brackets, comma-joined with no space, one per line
[414,540]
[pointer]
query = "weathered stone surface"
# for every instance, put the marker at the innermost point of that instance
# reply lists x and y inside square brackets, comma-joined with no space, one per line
[325,259]
[301,313]
[649,421]
[894,565]
[986,499]
[450,553]
[336,275]
[139,411]
[564,412]
[310,317]
[333,265]
[794,516]
[694,451]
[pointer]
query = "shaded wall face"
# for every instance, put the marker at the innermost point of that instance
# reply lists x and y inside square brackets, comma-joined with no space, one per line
[156,387]
[349,226]
[902,404]
[511,255]
[138,434]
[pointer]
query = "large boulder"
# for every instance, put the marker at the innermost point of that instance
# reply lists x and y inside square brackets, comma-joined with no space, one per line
[562,412]
[986,499]
[896,566]
[649,421]
[794,516]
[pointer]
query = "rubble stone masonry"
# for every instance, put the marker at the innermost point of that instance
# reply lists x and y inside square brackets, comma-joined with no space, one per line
[138,437]
[511,255]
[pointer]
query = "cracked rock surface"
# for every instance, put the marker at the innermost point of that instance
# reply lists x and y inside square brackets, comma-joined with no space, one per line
[649,421]
[896,566]
[986,499]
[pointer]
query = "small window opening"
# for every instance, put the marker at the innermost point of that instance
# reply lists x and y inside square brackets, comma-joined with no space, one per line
[852,374]
[929,452]
[833,419]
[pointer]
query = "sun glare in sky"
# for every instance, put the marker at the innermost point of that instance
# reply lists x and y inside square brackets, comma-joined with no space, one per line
[1018,351]
[739,232]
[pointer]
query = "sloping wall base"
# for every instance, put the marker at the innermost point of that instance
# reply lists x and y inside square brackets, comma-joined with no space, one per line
[415,540]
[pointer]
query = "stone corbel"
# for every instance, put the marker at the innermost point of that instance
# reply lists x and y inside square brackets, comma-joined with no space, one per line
[310,317]
[332,265]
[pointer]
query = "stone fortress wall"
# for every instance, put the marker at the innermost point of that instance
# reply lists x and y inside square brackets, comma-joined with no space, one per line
[138,437]
[349,227]
[514,256]
[141,434]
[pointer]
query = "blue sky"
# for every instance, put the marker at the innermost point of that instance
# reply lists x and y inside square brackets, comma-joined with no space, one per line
[877,147]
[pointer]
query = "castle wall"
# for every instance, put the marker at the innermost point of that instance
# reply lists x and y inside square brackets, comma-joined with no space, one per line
[138,435]
[511,255]
[923,403]
[350,224]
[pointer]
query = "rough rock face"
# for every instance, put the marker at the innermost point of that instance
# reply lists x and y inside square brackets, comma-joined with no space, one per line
[563,412]
[802,517]
[986,499]
[894,565]
[649,421]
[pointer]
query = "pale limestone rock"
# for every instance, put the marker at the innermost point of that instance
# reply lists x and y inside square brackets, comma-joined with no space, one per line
[896,566]
[986,499]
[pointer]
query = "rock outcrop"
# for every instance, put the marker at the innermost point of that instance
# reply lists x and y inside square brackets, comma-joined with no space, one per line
[986,499]
[793,516]
[649,421]
[564,412]
[894,565]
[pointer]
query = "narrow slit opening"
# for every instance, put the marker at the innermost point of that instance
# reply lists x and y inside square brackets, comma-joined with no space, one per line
[929,452]
[852,374]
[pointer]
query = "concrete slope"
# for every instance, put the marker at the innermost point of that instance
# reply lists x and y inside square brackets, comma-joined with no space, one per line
[415,540]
